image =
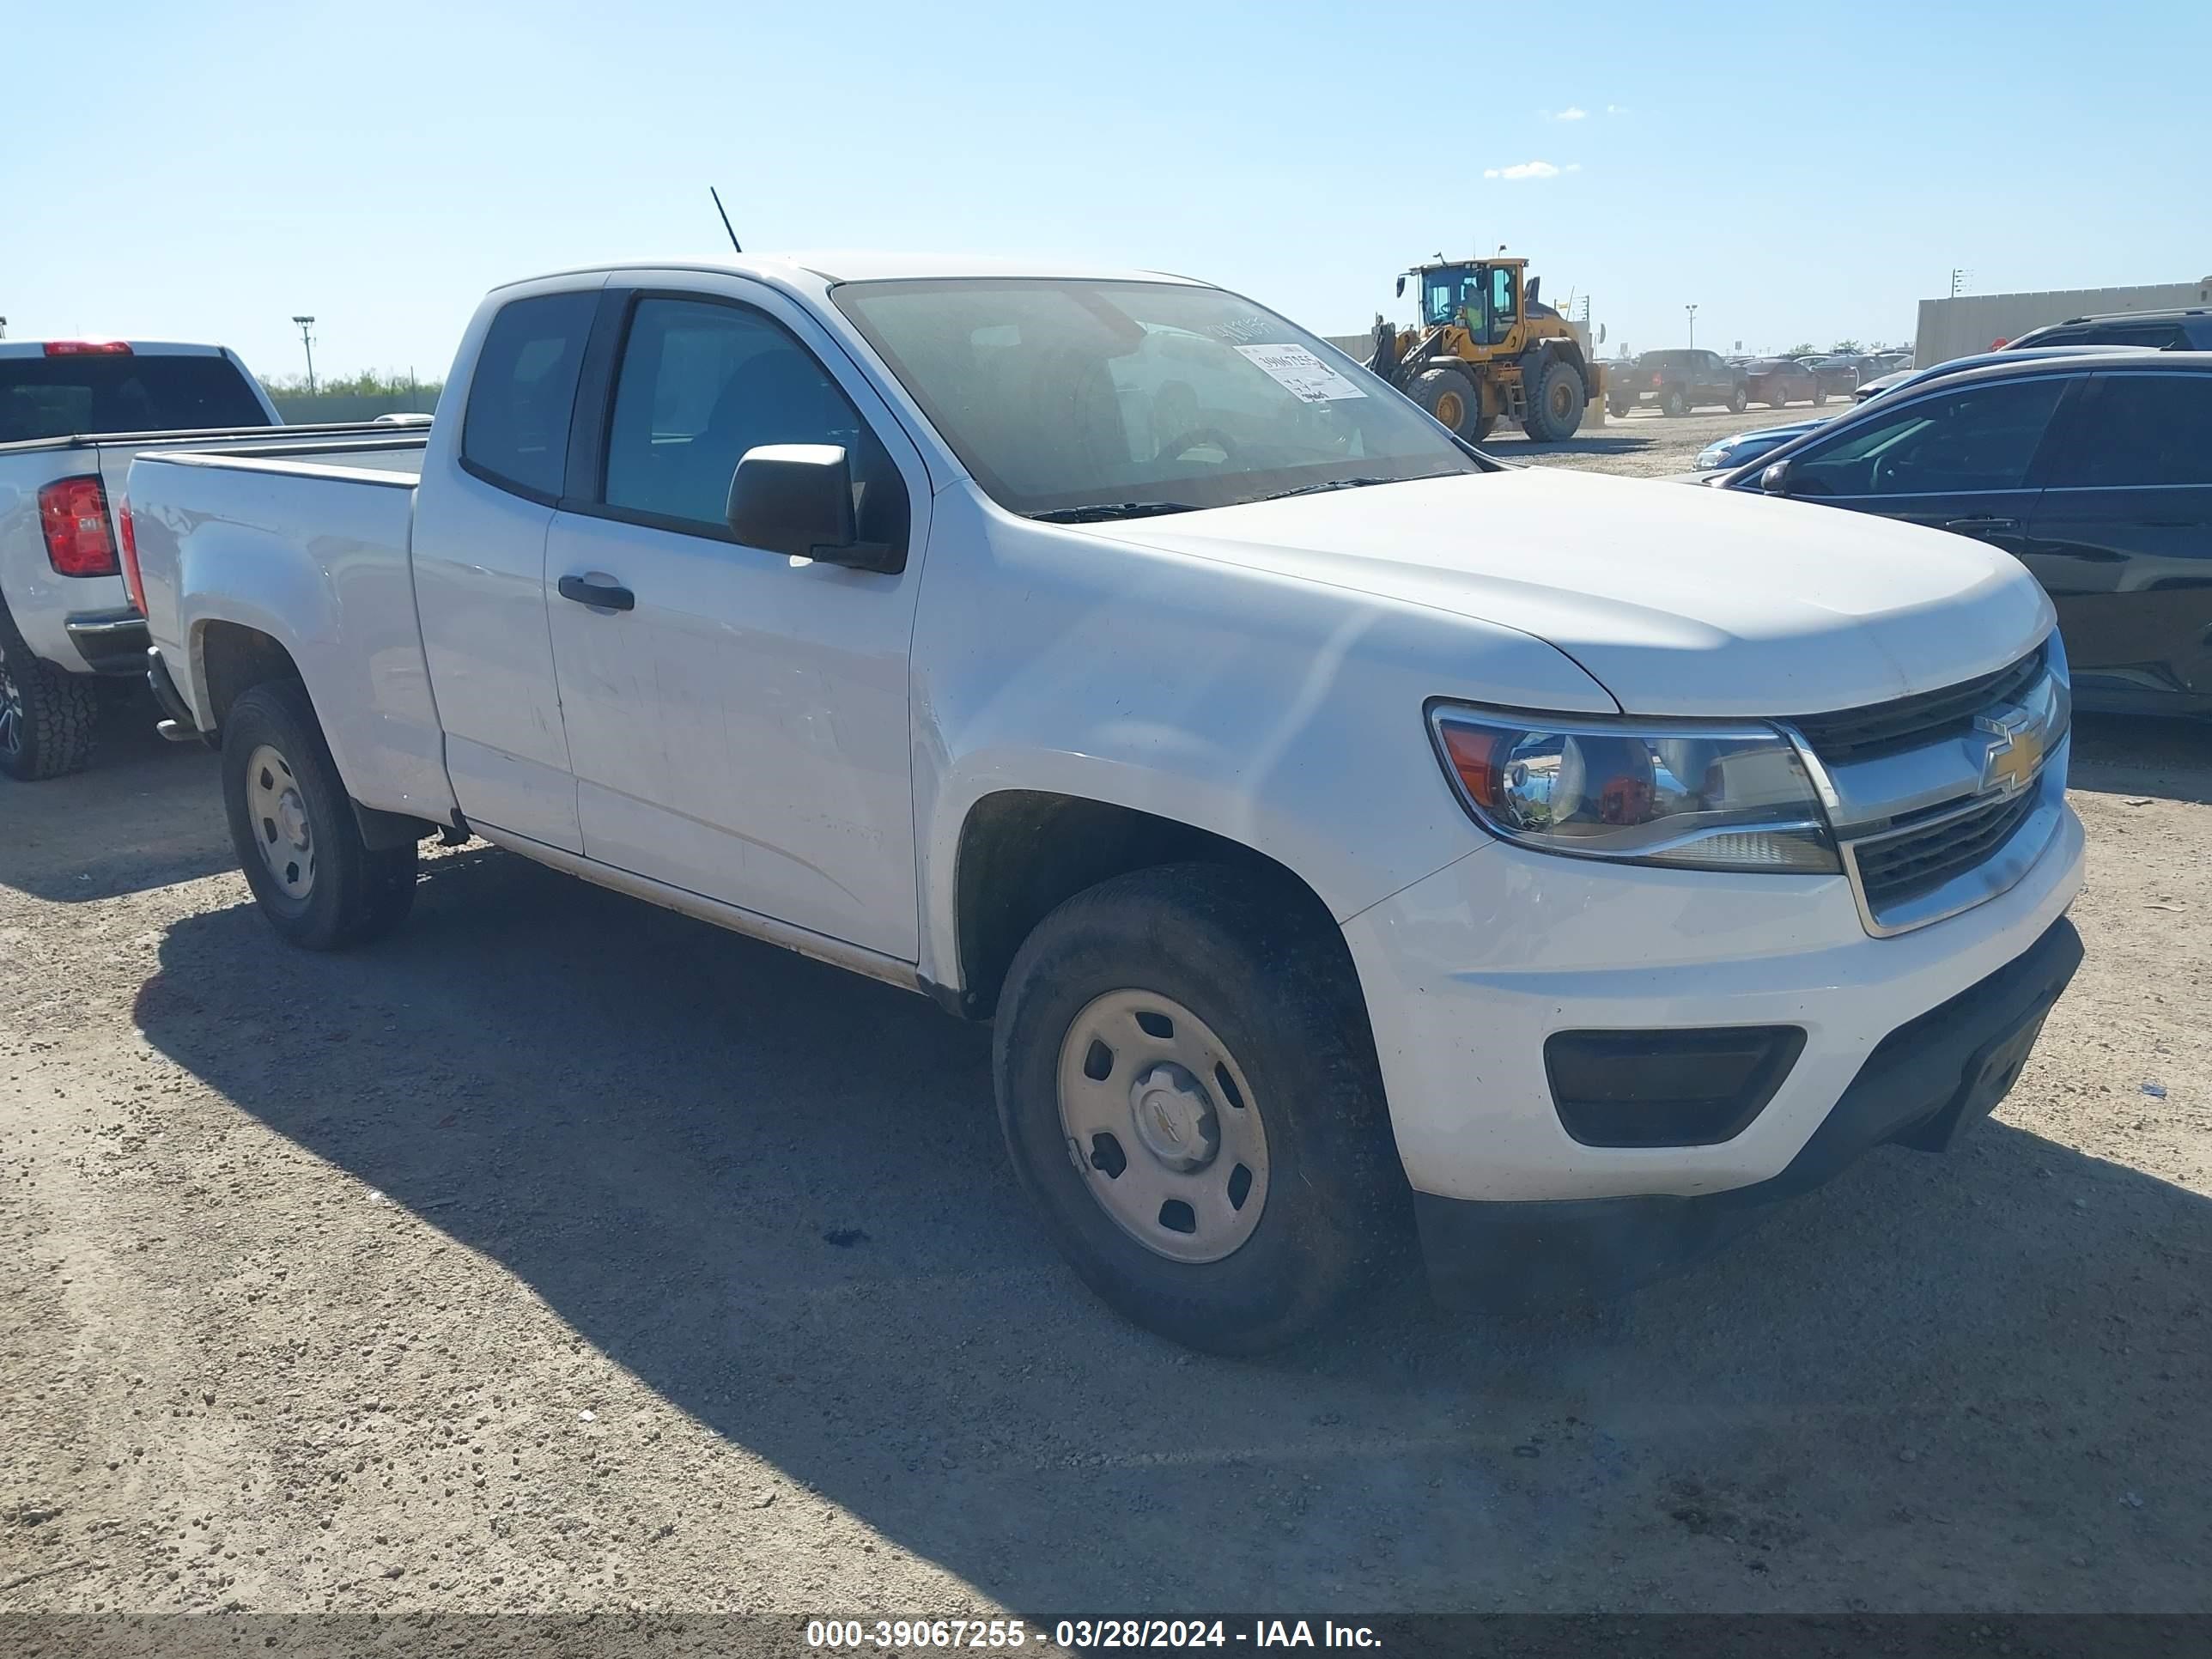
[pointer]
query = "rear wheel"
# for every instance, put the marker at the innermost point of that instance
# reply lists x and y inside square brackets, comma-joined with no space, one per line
[1819,396]
[1450,395]
[1189,1094]
[47,714]
[1672,402]
[1738,399]
[298,842]
[1778,398]
[1555,403]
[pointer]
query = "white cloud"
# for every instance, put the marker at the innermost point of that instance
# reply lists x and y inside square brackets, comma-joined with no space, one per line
[1570,113]
[1614,109]
[1531,170]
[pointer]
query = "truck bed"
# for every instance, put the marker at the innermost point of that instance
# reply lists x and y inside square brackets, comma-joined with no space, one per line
[347,502]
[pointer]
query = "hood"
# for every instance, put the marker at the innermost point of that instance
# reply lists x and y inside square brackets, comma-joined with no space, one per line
[1697,602]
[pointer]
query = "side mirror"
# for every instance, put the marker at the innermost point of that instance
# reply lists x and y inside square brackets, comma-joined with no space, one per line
[1775,480]
[1401,287]
[797,500]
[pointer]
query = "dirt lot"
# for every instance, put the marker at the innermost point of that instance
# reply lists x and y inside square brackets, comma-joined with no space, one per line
[561,1253]
[1646,444]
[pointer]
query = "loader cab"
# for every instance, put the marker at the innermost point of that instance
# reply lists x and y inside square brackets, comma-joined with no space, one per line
[1484,298]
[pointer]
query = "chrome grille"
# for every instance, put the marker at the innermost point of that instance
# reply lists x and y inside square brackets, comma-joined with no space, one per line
[1902,867]
[1873,729]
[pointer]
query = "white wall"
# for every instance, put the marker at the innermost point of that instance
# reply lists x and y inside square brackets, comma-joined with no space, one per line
[1975,322]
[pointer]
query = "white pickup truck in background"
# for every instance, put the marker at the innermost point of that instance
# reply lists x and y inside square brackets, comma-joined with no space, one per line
[1350,838]
[73,415]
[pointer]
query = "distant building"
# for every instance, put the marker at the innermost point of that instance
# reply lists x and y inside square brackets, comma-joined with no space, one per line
[1977,322]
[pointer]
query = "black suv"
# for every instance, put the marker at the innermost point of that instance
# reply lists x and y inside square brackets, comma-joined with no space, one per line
[2184,329]
[1678,381]
[2094,470]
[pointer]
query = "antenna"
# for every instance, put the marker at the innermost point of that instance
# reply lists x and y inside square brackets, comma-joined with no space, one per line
[719,208]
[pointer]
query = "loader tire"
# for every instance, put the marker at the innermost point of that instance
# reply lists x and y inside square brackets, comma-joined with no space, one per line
[1555,402]
[1449,396]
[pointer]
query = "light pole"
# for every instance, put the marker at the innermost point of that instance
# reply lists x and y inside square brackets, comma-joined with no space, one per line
[1693,310]
[309,341]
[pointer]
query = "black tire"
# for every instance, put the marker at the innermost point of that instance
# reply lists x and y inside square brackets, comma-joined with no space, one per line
[1277,988]
[1435,389]
[47,714]
[1482,429]
[1672,402]
[354,895]
[1555,402]
[1777,400]
[1739,400]
[1618,411]
[1819,396]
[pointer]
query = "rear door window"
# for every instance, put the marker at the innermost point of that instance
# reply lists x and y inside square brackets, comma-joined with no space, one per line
[2143,429]
[515,433]
[87,395]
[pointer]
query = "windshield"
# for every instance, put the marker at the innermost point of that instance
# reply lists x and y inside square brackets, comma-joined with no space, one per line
[63,396]
[1063,395]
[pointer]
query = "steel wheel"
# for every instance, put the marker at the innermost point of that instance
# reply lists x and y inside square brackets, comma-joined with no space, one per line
[1162,1124]
[279,817]
[1559,400]
[11,711]
[1451,410]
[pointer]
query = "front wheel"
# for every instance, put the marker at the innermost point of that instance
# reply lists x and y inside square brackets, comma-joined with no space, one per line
[1449,396]
[47,714]
[1738,400]
[1672,402]
[321,886]
[1819,396]
[1189,1094]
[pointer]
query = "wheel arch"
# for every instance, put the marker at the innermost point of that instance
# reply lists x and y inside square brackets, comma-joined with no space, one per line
[1021,852]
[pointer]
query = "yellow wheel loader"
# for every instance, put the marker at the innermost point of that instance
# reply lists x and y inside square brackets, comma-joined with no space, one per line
[1486,350]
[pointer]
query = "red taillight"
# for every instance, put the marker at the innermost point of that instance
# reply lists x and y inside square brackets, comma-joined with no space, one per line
[1656,379]
[87,348]
[73,512]
[133,583]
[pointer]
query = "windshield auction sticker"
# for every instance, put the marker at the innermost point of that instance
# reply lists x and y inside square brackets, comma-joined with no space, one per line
[1301,373]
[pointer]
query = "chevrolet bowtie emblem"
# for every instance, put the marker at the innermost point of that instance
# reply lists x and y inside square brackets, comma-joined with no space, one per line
[2016,751]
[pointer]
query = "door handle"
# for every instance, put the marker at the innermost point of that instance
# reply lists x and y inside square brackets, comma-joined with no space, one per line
[604,596]
[1981,527]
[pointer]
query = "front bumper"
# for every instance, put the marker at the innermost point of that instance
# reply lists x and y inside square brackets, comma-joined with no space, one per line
[1922,1083]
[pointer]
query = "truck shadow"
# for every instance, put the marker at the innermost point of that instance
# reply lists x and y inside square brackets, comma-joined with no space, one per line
[775,1193]
[60,833]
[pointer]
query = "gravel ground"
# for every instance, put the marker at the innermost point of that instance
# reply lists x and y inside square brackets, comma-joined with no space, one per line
[561,1253]
[1646,444]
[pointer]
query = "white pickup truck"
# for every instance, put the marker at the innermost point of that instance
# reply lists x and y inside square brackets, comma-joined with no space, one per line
[1352,839]
[73,413]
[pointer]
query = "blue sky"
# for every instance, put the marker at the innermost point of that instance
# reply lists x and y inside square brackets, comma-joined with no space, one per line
[1799,172]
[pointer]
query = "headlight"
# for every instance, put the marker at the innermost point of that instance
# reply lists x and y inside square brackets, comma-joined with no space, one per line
[1706,797]
[1715,455]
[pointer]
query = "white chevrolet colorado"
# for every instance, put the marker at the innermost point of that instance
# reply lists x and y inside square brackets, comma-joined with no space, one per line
[1352,839]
